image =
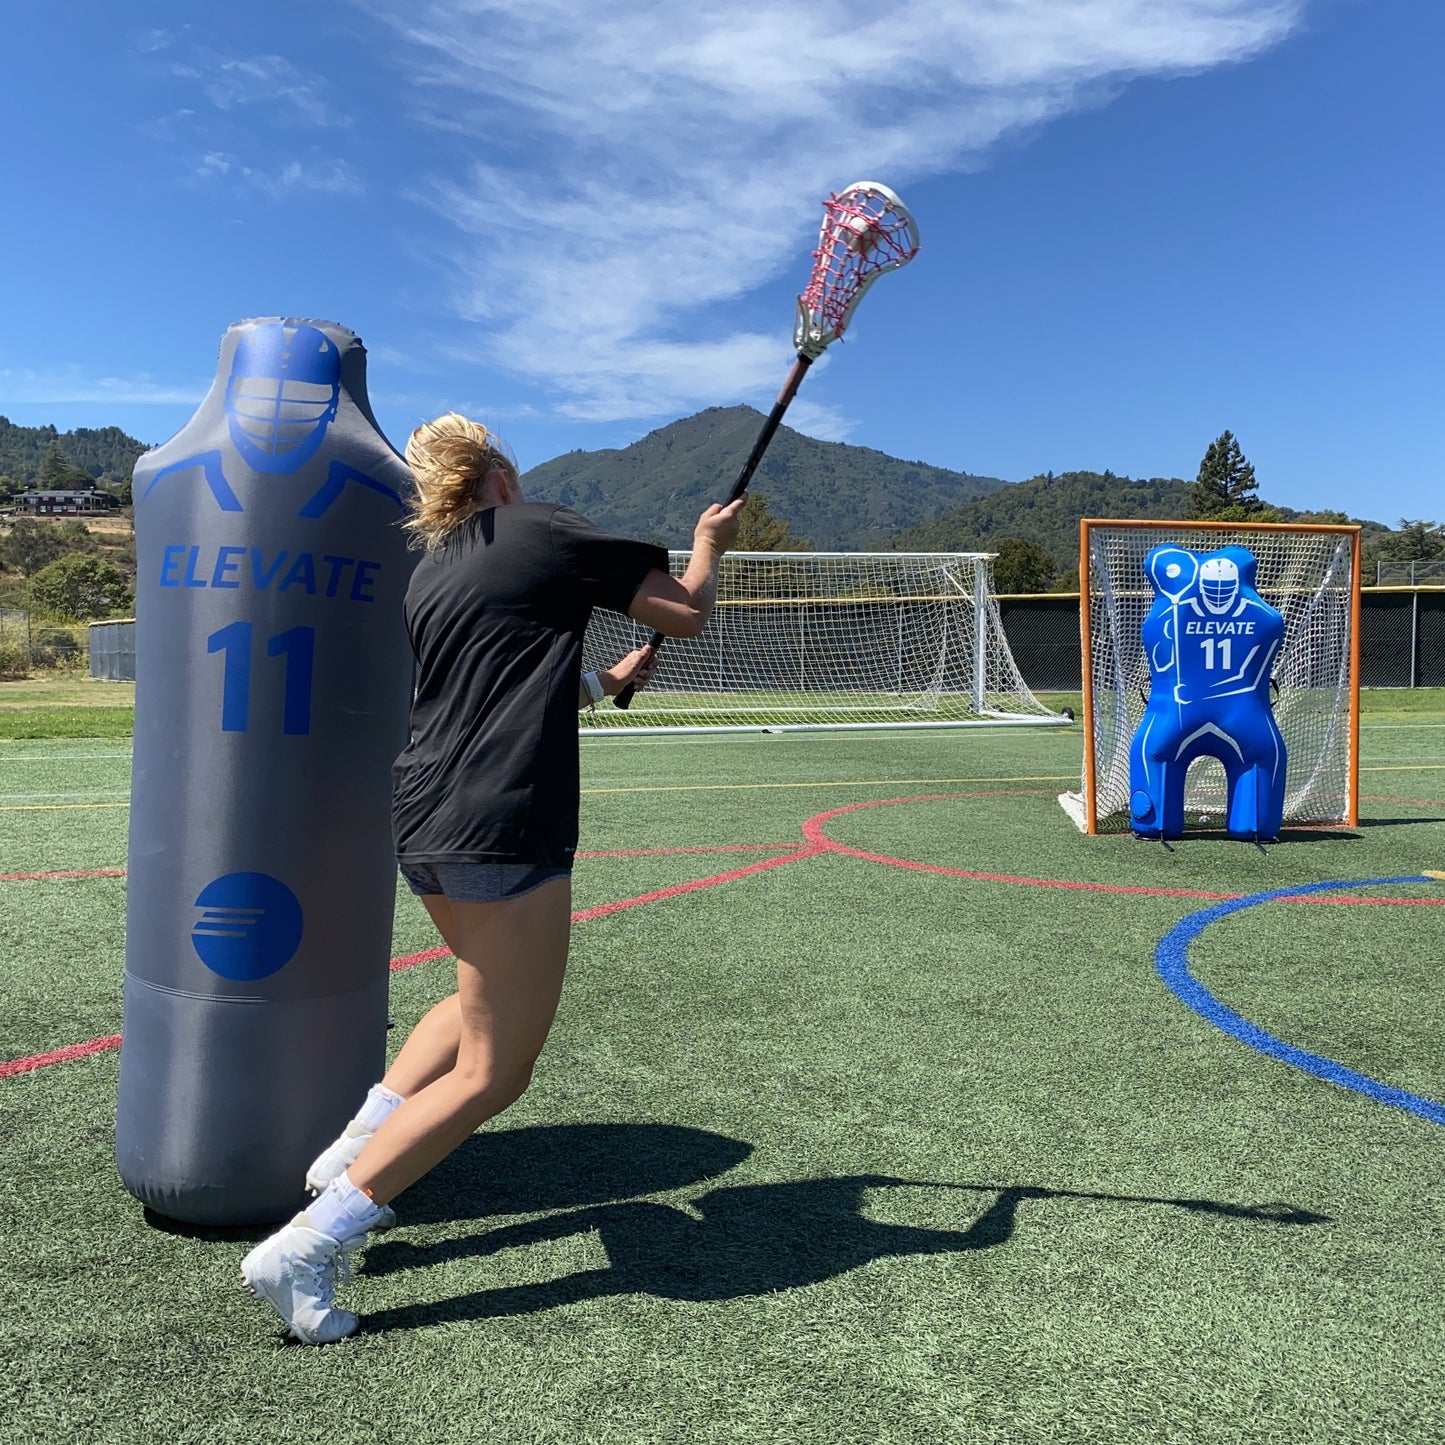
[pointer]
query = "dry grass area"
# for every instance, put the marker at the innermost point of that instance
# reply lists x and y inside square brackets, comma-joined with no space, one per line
[111,527]
[69,691]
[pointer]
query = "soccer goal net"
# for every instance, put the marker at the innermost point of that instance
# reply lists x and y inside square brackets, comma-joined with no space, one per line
[828,640]
[1311,575]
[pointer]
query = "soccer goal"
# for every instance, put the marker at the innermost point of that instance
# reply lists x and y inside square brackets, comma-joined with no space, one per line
[828,640]
[1312,575]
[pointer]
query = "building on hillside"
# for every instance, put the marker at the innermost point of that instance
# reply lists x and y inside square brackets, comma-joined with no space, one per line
[60,504]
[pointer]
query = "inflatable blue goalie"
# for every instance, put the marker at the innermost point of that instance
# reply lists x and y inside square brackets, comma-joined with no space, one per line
[1211,641]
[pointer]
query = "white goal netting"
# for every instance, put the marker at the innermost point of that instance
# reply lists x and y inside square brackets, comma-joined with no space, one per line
[1310,575]
[828,640]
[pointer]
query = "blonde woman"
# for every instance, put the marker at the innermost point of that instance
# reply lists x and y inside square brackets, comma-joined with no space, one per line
[485,805]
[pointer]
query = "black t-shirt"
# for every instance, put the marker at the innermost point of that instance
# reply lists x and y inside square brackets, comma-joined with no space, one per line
[496,615]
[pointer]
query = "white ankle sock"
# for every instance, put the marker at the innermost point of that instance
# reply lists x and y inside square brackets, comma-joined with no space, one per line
[380,1104]
[343,1210]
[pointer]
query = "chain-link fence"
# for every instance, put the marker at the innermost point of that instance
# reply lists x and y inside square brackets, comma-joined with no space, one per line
[14,642]
[1402,638]
[28,642]
[1410,574]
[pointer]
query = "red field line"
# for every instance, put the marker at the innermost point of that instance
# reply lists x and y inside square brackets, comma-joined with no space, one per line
[59,1056]
[411,960]
[427,955]
[813,832]
[617,853]
[657,893]
[814,842]
[703,848]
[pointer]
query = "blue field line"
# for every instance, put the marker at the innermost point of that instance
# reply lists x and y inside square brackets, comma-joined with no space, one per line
[1171,958]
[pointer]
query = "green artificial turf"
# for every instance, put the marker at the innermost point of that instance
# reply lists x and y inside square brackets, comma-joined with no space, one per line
[837,1151]
[66,722]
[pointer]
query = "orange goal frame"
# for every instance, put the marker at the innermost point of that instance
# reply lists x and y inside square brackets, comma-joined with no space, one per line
[1086,640]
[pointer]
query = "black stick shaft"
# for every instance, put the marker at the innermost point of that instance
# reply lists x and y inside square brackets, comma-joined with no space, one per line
[770,425]
[769,428]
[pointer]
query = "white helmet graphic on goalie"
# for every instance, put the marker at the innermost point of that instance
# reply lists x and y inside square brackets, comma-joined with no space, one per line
[1219,583]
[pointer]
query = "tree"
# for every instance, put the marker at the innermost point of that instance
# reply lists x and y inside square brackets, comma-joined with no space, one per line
[79,587]
[1224,489]
[76,536]
[1417,541]
[59,474]
[761,531]
[1022,566]
[31,546]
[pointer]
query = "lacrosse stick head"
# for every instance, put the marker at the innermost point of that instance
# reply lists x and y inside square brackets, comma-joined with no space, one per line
[866,231]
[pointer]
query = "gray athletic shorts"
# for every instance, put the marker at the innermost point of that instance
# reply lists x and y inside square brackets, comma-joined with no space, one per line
[478,882]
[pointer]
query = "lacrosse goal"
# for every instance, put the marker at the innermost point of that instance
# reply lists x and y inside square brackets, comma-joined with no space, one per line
[814,640]
[1312,575]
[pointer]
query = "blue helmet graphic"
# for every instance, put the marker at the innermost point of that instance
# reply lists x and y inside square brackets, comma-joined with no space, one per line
[282,394]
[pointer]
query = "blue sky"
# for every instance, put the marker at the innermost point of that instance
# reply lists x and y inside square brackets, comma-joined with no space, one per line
[1143,221]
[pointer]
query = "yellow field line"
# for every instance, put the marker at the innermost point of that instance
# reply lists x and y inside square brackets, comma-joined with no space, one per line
[674,788]
[835,783]
[51,807]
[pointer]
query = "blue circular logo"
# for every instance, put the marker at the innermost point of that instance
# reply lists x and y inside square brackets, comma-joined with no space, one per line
[250,926]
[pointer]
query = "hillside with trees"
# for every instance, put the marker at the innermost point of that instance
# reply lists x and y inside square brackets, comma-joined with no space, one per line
[1046,510]
[838,497]
[41,456]
[1034,525]
[65,569]
[807,495]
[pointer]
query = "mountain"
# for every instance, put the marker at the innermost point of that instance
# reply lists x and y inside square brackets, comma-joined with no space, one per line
[836,497]
[107,453]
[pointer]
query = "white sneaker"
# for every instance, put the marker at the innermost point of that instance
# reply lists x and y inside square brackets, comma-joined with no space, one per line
[294,1271]
[333,1161]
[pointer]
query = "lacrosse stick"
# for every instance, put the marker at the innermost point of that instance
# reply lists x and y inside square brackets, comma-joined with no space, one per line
[867,231]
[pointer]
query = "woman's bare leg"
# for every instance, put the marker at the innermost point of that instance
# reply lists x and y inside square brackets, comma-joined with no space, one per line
[430,1049]
[511,958]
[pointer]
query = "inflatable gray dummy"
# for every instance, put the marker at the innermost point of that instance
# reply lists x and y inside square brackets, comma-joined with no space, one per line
[273,682]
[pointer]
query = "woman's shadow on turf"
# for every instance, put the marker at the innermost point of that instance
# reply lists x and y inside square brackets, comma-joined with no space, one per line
[728,1243]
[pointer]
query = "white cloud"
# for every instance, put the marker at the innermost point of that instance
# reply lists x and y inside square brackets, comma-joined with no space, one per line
[268,80]
[231,82]
[815,419]
[72,386]
[149,42]
[257,104]
[643,164]
[330,177]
